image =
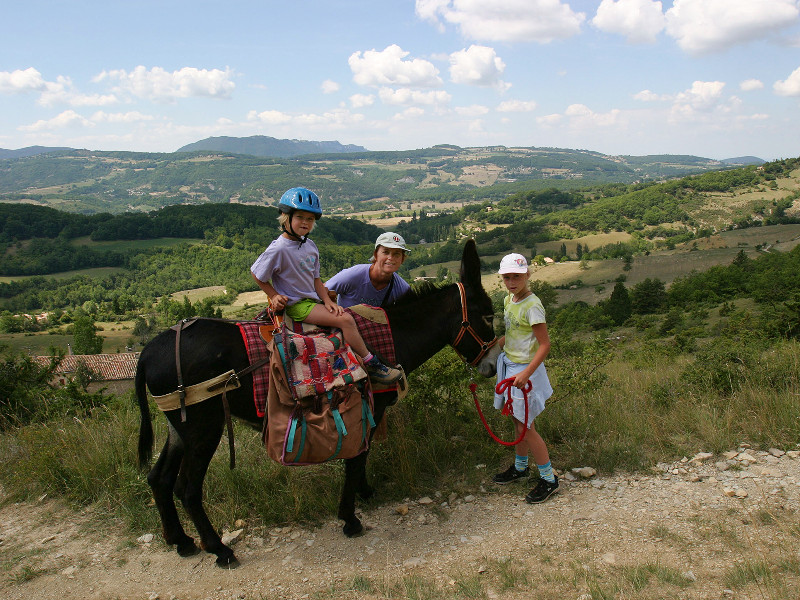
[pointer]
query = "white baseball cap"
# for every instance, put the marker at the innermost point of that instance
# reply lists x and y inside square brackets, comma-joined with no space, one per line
[513,263]
[391,240]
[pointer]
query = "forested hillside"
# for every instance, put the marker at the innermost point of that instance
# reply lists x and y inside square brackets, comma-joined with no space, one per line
[658,214]
[115,182]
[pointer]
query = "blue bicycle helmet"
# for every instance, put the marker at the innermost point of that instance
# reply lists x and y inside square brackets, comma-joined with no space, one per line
[300,198]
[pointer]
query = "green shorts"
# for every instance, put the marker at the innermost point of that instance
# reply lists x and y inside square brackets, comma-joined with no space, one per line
[301,309]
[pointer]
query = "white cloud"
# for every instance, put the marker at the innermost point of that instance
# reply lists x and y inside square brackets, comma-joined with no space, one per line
[333,119]
[549,120]
[578,110]
[22,81]
[413,97]
[127,117]
[505,20]
[67,118]
[329,87]
[269,117]
[648,96]
[748,85]
[362,100]
[471,111]
[790,86]
[477,65]
[387,67]
[702,26]
[516,106]
[160,85]
[640,21]
[703,95]
[410,114]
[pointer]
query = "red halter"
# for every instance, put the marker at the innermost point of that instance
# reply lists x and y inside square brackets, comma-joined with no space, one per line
[467,328]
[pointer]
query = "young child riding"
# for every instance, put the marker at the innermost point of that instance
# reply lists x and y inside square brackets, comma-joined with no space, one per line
[288,272]
[525,345]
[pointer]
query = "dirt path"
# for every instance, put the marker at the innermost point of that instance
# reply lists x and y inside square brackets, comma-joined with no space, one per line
[713,527]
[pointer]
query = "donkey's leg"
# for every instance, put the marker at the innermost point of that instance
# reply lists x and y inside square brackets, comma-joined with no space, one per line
[162,481]
[354,482]
[194,469]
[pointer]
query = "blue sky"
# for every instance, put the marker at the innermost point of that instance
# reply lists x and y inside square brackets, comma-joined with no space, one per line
[714,78]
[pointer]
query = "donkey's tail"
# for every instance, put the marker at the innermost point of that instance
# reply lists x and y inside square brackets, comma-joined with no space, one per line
[146,427]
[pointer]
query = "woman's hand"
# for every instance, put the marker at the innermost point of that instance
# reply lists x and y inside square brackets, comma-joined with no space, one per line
[278,302]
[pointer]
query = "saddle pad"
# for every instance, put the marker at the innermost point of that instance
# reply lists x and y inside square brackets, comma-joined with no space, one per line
[319,362]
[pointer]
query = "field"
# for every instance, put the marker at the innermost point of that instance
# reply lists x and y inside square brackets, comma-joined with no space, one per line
[597,281]
[95,272]
[116,337]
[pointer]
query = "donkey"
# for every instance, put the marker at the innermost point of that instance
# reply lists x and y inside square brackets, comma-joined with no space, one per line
[422,323]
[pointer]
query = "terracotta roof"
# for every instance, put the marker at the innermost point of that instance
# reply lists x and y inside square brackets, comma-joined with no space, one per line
[110,367]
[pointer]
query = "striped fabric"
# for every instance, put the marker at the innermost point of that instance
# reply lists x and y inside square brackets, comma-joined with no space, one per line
[376,334]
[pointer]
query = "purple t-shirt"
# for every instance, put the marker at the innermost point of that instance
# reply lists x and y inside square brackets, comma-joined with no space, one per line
[291,267]
[355,287]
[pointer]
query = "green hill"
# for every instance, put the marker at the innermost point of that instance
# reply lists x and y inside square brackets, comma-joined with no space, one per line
[115,182]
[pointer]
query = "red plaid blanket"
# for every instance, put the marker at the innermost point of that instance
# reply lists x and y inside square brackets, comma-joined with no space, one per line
[256,350]
[377,335]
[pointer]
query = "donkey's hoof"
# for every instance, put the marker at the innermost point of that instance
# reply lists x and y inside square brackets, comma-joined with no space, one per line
[228,562]
[187,548]
[353,529]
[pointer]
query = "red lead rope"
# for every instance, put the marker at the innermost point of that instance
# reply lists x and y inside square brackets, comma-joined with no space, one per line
[500,388]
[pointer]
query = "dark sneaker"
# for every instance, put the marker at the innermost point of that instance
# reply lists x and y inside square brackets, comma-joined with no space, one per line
[543,490]
[510,474]
[380,373]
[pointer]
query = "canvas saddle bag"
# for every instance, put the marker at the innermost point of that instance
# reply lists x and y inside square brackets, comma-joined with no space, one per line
[319,404]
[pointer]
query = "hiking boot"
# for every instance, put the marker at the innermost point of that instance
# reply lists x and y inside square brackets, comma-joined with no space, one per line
[380,373]
[510,474]
[543,490]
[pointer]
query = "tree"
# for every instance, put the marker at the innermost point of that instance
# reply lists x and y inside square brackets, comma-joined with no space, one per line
[618,306]
[648,296]
[545,292]
[142,330]
[85,338]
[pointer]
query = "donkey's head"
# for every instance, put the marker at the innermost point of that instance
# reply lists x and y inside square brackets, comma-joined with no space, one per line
[476,339]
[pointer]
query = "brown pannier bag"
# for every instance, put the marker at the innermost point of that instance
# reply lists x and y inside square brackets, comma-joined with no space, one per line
[318,427]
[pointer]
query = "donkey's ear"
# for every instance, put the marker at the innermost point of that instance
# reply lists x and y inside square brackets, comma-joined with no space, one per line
[471,264]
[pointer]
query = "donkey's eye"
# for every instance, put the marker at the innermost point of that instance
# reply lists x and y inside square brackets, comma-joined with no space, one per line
[488,320]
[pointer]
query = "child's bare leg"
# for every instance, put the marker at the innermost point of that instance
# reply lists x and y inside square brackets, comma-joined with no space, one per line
[532,442]
[319,315]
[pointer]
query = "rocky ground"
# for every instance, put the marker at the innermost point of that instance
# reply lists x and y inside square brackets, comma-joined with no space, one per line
[709,526]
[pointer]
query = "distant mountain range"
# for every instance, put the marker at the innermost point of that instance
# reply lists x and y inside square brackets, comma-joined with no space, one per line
[743,160]
[262,145]
[29,151]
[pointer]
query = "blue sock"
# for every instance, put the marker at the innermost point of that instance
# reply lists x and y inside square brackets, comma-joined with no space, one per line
[546,472]
[520,462]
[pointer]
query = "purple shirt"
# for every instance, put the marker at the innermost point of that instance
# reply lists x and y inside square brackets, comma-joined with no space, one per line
[355,287]
[291,267]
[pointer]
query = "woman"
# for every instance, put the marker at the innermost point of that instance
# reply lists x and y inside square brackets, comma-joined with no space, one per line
[375,283]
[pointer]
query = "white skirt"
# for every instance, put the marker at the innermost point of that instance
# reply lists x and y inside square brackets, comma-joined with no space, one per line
[537,397]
